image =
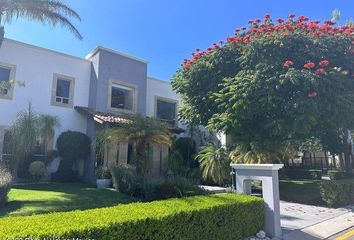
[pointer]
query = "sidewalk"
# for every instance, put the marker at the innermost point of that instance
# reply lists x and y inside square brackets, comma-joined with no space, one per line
[307,222]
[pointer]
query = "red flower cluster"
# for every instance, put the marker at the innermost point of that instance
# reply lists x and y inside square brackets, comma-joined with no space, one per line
[323,63]
[288,63]
[285,27]
[320,71]
[312,94]
[309,65]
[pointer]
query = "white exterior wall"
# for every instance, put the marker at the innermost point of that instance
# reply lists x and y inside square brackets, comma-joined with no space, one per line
[158,88]
[36,66]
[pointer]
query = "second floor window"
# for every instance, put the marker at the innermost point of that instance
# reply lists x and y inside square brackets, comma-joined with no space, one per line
[63,91]
[166,110]
[122,98]
[7,73]
[4,77]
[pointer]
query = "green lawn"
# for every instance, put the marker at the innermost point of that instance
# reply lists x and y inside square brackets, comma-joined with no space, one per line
[301,191]
[58,197]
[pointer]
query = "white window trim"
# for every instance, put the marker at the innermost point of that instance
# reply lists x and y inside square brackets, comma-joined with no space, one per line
[71,91]
[12,69]
[169,100]
[124,85]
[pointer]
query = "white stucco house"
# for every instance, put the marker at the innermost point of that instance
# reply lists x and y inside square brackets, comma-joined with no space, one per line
[84,93]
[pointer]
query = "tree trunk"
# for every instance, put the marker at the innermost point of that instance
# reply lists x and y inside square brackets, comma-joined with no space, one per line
[348,149]
[140,161]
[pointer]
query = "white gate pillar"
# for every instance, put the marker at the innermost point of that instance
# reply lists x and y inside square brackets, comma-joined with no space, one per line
[268,174]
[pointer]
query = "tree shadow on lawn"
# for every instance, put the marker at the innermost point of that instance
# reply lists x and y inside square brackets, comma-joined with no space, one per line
[59,197]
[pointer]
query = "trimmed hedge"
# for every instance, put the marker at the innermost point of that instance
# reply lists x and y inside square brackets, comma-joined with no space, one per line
[337,193]
[337,175]
[220,216]
[294,173]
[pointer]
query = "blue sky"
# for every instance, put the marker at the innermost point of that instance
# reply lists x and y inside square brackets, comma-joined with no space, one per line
[164,32]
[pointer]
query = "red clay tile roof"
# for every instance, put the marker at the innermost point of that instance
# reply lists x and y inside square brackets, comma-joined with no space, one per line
[110,118]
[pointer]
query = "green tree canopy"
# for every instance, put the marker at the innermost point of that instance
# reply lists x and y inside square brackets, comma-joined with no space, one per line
[272,83]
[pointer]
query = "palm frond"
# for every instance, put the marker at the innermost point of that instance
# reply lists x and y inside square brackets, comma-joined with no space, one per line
[45,11]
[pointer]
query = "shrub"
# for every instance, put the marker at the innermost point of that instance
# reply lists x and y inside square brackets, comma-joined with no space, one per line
[295,173]
[175,163]
[336,175]
[175,187]
[5,184]
[124,179]
[337,193]
[37,169]
[103,173]
[186,147]
[71,147]
[224,216]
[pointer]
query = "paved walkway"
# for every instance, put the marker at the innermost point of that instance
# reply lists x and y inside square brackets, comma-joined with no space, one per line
[307,222]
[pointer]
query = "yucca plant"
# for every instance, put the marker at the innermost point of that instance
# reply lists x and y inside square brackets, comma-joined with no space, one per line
[24,135]
[214,163]
[27,128]
[47,126]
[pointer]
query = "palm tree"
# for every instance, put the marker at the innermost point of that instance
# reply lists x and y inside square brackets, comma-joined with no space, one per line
[140,132]
[51,12]
[214,163]
[47,126]
[24,135]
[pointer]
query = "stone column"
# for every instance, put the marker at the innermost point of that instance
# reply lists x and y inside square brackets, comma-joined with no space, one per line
[268,174]
[123,153]
[111,156]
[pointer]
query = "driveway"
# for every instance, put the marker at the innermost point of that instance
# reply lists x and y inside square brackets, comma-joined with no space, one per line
[306,222]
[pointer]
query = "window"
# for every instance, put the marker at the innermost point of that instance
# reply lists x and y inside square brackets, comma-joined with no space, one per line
[7,147]
[166,110]
[7,73]
[122,97]
[63,91]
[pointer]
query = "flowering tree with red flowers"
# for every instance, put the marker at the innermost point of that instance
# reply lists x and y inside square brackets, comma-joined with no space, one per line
[272,84]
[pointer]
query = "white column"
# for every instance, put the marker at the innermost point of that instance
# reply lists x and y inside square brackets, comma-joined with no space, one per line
[268,174]
[123,153]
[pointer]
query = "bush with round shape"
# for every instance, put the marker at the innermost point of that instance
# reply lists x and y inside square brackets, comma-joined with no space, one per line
[103,173]
[5,183]
[71,146]
[37,169]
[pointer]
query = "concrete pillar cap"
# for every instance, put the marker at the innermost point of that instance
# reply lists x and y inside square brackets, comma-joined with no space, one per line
[257,166]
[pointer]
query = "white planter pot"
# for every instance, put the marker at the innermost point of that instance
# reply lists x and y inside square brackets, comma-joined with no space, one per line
[103,183]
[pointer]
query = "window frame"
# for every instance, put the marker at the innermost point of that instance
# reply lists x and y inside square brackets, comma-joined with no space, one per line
[133,87]
[57,77]
[10,92]
[168,100]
